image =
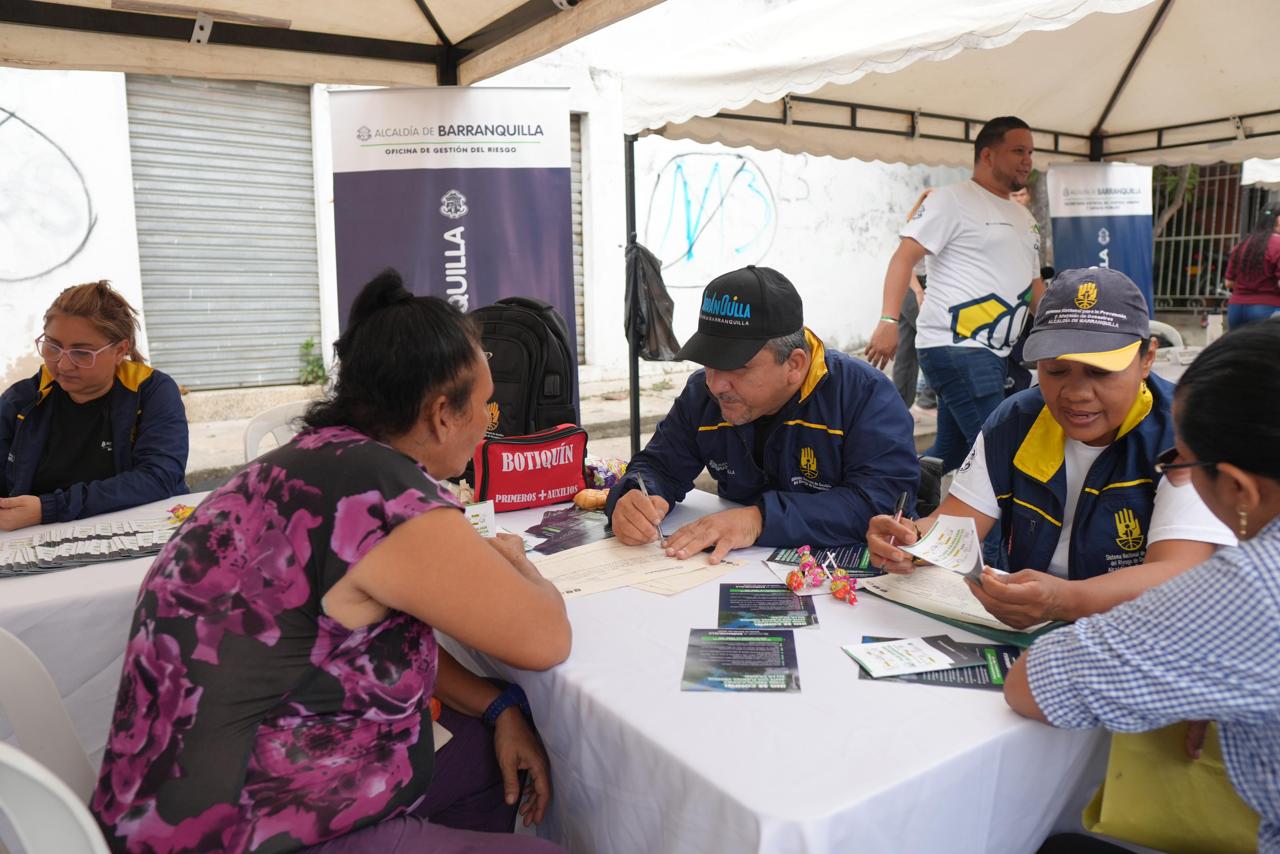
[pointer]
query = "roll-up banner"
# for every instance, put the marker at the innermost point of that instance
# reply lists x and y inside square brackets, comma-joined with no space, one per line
[1101,217]
[464,191]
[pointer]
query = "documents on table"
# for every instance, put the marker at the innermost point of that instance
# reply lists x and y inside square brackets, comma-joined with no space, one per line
[741,660]
[952,543]
[764,606]
[481,517]
[608,564]
[673,584]
[937,591]
[81,543]
[996,659]
[912,655]
[567,528]
[855,560]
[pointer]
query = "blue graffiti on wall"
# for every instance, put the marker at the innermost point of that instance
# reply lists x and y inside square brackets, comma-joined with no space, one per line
[719,207]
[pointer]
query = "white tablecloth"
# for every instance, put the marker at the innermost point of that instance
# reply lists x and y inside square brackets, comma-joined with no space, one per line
[640,766]
[77,621]
[845,765]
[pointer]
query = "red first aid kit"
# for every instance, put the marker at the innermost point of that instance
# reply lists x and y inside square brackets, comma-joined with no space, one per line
[529,471]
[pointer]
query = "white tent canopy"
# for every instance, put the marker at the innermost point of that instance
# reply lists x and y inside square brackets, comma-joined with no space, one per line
[1145,81]
[1261,173]
[376,42]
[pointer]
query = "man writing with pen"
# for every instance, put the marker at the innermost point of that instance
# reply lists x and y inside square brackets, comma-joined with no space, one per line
[812,442]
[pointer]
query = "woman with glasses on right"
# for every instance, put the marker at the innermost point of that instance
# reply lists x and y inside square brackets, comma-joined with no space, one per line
[1202,646]
[96,429]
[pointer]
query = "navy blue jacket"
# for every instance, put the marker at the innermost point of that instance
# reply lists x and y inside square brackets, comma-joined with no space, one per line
[841,451]
[149,441]
[1025,460]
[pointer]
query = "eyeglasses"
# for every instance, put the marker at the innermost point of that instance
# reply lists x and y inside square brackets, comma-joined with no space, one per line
[1178,473]
[79,357]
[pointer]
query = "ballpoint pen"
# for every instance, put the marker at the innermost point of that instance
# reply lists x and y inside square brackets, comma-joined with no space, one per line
[897,514]
[644,490]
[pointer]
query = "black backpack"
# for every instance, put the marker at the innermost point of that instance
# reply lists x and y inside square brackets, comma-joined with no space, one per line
[531,357]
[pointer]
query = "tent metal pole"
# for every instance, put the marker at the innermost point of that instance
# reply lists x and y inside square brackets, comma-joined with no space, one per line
[633,306]
[1097,135]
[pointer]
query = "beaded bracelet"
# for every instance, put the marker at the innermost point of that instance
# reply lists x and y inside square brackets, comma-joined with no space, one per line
[512,695]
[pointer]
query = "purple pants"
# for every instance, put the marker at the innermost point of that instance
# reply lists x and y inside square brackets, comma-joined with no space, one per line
[463,813]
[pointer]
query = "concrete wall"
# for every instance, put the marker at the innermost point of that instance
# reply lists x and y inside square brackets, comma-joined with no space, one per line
[66,200]
[829,225]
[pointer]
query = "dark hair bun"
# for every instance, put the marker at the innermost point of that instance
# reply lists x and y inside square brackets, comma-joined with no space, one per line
[386,289]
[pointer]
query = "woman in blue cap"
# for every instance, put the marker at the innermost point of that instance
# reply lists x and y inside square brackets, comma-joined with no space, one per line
[1065,473]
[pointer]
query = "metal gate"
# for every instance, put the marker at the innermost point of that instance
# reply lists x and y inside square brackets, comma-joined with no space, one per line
[223,188]
[1191,253]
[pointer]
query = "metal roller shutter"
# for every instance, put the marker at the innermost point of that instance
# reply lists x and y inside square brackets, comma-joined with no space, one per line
[575,199]
[223,186]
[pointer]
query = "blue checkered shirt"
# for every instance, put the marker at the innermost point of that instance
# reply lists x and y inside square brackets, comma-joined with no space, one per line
[1205,645]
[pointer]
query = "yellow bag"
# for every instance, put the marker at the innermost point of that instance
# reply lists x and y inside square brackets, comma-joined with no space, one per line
[1155,796]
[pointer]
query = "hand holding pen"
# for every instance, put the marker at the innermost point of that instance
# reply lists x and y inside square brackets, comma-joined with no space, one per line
[633,516]
[645,491]
[883,534]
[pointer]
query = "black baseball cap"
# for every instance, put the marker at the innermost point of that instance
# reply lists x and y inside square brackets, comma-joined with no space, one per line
[740,312]
[1094,315]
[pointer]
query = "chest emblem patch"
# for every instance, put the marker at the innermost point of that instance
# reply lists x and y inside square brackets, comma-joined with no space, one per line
[1128,532]
[809,463]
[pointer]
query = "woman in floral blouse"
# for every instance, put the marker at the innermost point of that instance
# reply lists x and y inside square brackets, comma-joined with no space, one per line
[276,686]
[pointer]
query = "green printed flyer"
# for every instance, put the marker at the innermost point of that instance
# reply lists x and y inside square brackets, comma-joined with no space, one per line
[997,658]
[741,660]
[764,606]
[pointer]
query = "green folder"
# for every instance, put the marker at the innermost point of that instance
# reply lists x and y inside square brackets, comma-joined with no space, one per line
[1019,639]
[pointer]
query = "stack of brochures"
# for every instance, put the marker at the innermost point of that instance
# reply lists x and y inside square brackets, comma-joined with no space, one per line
[83,543]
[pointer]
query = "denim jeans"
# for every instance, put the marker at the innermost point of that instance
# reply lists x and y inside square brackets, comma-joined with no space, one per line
[1238,314]
[970,385]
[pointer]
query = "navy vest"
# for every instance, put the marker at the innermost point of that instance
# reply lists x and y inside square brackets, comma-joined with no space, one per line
[1025,447]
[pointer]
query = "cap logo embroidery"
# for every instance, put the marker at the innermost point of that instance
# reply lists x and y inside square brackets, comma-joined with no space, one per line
[726,306]
[1129,532]
[1087,295]
[809,463]
[494,411]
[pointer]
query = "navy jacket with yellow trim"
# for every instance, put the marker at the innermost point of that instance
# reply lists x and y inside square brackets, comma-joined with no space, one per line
[149,441]
[1025,459]
[841,451]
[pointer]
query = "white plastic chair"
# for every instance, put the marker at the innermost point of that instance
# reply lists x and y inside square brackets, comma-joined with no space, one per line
[278,421]
[47,817]
[41,725]
[1168,333]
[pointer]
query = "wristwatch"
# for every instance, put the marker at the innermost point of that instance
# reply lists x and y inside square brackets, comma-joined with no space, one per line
[512,695]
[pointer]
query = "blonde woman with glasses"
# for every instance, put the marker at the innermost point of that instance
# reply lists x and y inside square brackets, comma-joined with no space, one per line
[96,429]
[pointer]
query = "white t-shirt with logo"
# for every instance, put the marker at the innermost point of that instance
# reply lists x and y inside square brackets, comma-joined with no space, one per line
[984,251]
[1179,514]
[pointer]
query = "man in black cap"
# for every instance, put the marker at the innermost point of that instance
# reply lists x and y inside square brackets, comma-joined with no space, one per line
[813,442]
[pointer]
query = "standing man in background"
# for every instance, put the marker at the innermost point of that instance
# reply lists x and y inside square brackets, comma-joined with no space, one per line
[984,281]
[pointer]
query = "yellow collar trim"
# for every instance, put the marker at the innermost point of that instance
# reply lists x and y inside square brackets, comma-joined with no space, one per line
[1043,448]
[1141,409]
[46,383]
[131,375]
[817,364]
